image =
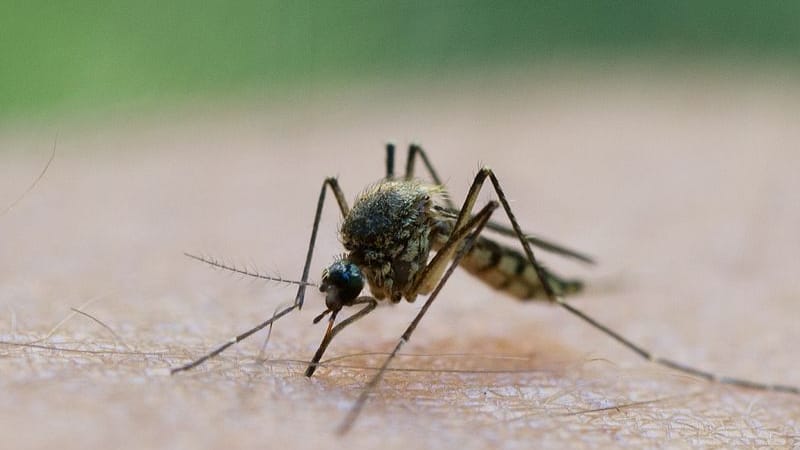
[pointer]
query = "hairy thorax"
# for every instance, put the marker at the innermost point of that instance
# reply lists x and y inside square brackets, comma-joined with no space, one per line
[388,233]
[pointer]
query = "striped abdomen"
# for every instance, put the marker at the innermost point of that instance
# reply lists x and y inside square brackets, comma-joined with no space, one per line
[508,270]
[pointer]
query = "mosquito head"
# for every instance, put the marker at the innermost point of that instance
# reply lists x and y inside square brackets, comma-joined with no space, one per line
[342,281]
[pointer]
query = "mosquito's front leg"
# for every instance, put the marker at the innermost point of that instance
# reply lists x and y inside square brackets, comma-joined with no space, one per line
[332,331]
[331,183]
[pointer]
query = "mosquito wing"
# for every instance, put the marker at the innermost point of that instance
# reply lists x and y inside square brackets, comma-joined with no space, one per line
[544,244]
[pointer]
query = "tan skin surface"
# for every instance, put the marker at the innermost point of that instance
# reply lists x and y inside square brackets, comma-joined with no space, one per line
[686,192]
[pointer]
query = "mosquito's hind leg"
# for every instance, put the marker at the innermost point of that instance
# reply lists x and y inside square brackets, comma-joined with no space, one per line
[551,291]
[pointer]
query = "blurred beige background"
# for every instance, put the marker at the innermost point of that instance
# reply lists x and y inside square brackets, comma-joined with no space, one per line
[683,186]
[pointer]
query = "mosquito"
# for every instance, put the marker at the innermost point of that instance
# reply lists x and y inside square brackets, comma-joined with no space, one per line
[389,235]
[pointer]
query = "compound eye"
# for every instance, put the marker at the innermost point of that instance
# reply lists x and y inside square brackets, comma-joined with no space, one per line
[343,281]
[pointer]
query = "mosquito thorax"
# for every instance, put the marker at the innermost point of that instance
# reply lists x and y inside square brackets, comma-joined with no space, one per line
[342,282]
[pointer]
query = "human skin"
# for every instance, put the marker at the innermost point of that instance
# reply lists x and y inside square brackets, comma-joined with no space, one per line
[684,191]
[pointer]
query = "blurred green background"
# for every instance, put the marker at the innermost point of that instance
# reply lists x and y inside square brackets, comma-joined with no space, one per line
[90,57]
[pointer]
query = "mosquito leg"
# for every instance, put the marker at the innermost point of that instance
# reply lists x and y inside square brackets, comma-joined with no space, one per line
[680,367]
[233,341]
[431,273]
[544,244]
[370,302]
[645,354]
[460,239]
[331,183]
[390,161]
[415,150]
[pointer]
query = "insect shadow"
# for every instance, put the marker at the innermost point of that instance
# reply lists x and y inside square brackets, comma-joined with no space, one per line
[389,234]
